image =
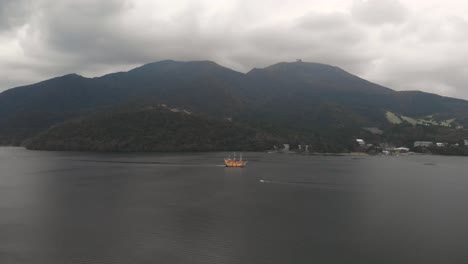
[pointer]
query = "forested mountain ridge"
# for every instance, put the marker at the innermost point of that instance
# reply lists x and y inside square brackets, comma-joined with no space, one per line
[298,101]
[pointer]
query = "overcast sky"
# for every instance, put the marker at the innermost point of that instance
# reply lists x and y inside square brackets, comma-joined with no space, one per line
[405,45]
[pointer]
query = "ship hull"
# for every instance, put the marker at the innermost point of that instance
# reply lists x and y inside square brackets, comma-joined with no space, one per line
[235,163]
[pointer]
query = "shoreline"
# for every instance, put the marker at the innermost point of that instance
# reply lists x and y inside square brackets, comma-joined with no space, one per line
[338,154]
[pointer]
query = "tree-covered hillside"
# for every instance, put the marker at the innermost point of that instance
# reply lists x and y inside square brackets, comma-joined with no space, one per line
[151,129]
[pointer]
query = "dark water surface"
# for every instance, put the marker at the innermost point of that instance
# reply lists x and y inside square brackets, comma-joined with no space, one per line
[186,208]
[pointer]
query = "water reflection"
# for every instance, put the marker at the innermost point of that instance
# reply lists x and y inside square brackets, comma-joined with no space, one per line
[147,208]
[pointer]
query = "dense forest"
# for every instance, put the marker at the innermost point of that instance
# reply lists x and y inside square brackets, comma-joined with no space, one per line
[151,129]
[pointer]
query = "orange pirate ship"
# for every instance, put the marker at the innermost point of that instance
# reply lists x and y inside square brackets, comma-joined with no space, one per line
[235,163]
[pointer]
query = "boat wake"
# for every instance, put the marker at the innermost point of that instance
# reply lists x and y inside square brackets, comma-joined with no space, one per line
[320,185]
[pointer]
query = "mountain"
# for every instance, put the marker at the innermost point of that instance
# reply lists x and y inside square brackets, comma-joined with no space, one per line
[304,83]
[24,111]
[298,102]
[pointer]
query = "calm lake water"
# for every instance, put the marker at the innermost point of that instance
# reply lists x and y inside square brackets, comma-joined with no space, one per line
[187,208]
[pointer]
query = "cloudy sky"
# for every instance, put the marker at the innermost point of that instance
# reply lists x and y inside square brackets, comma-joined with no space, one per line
[403,44]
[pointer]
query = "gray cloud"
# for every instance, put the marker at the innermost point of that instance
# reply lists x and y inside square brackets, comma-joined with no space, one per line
[14,13]
[376,12]
[386,41]
[312,37]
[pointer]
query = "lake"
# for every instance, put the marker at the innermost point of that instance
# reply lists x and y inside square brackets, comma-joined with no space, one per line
[63,207]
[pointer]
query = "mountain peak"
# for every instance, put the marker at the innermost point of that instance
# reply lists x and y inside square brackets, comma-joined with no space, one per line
[168,65]
[301,65]
[72,75]
[316,75]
